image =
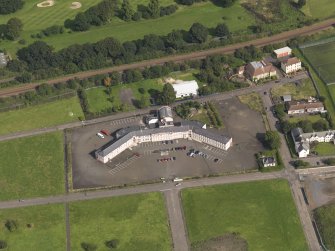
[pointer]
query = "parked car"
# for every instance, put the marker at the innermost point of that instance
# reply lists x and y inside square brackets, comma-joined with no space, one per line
[105,132]
[100,135]
[178,184]
[216,160]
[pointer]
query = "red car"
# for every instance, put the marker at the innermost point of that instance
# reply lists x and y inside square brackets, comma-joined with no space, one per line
[105,132]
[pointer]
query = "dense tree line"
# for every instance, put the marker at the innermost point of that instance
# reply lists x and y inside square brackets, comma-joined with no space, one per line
[40,58]
[10,6]
[97,15]
[49,31]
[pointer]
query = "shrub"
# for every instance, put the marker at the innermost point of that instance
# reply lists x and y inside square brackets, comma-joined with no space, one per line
[112,243]
[11,225]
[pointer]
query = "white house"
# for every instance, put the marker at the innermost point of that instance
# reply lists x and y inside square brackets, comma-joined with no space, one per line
[283,52]
[268,161]
[291,65]
[260,70]
[185,88]
[302,140]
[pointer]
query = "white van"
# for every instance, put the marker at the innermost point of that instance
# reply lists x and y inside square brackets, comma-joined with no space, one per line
[100,135]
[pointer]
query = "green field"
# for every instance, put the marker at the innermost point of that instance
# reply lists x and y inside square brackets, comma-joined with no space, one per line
[297,91]
[322,59]
[311,118]
[209,14]
[32,166]
[324,149]
[39,116]
[319,8]
[263,213]
[138,222]
[46,231]
[99,100]
[325,219]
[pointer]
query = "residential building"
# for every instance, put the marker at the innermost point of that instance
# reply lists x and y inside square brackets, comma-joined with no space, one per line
[185,88]
[268,161]
[165,116]
[302,106]
[260,70]
[291,65]
[302,140]
[3,59]
[283,52]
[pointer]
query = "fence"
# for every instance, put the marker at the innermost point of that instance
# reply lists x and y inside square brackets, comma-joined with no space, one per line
[43,101]
[315,43]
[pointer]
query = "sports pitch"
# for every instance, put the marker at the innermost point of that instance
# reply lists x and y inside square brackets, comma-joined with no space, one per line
[322,59]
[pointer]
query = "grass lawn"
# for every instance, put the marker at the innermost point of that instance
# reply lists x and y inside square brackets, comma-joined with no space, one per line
[311,118]
[138,222]
[202,117]
[32,166]
[324,149]
[209,14]
[325,218]
[297,91]
[263,213]
[98,99]
[39,116]
[47,231]
[319,8]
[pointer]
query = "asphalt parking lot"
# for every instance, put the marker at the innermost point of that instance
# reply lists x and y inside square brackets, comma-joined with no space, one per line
[140,164]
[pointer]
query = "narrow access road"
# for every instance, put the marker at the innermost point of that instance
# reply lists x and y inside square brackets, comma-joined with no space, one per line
[176,219]
[157,187]
[178,58]
[134,114]
[293,178]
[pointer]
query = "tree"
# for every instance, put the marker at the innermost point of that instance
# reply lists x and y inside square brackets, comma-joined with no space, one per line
[175,40]
[320,125]
[10,6]
[222,30]
[198,33]
[300,3]
[300,164]
[168,96]
[141,90]
[306,125]
[272,139]
[279,110]
[286,126]
[227,3]
[153,8]
[127,11]
[13,28]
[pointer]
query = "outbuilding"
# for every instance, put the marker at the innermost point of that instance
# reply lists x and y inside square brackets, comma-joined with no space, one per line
[283,52]
[3,59]
[185,88]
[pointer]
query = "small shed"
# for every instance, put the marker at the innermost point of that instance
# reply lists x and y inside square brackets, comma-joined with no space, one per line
[283,52]
[287,98]
[3,59]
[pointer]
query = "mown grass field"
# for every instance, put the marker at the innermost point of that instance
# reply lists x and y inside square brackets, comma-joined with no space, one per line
[47,231]
[138,222]
[319,8]
[322,58]
[32,166]
[263,213]
[311,118]
[325,219]
[39,116]
[297,91]
[209,14]
[324,149]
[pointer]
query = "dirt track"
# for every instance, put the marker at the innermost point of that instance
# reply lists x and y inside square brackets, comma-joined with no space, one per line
[178,58]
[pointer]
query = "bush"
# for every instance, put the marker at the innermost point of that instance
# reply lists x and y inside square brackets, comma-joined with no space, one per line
[112,243]
[300,164]
[329,161]
[11,225]
[88,246]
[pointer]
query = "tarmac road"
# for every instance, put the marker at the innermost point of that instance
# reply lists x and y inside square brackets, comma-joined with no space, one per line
[178,58]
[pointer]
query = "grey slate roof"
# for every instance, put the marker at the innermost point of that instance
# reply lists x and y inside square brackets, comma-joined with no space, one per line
[126,134]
